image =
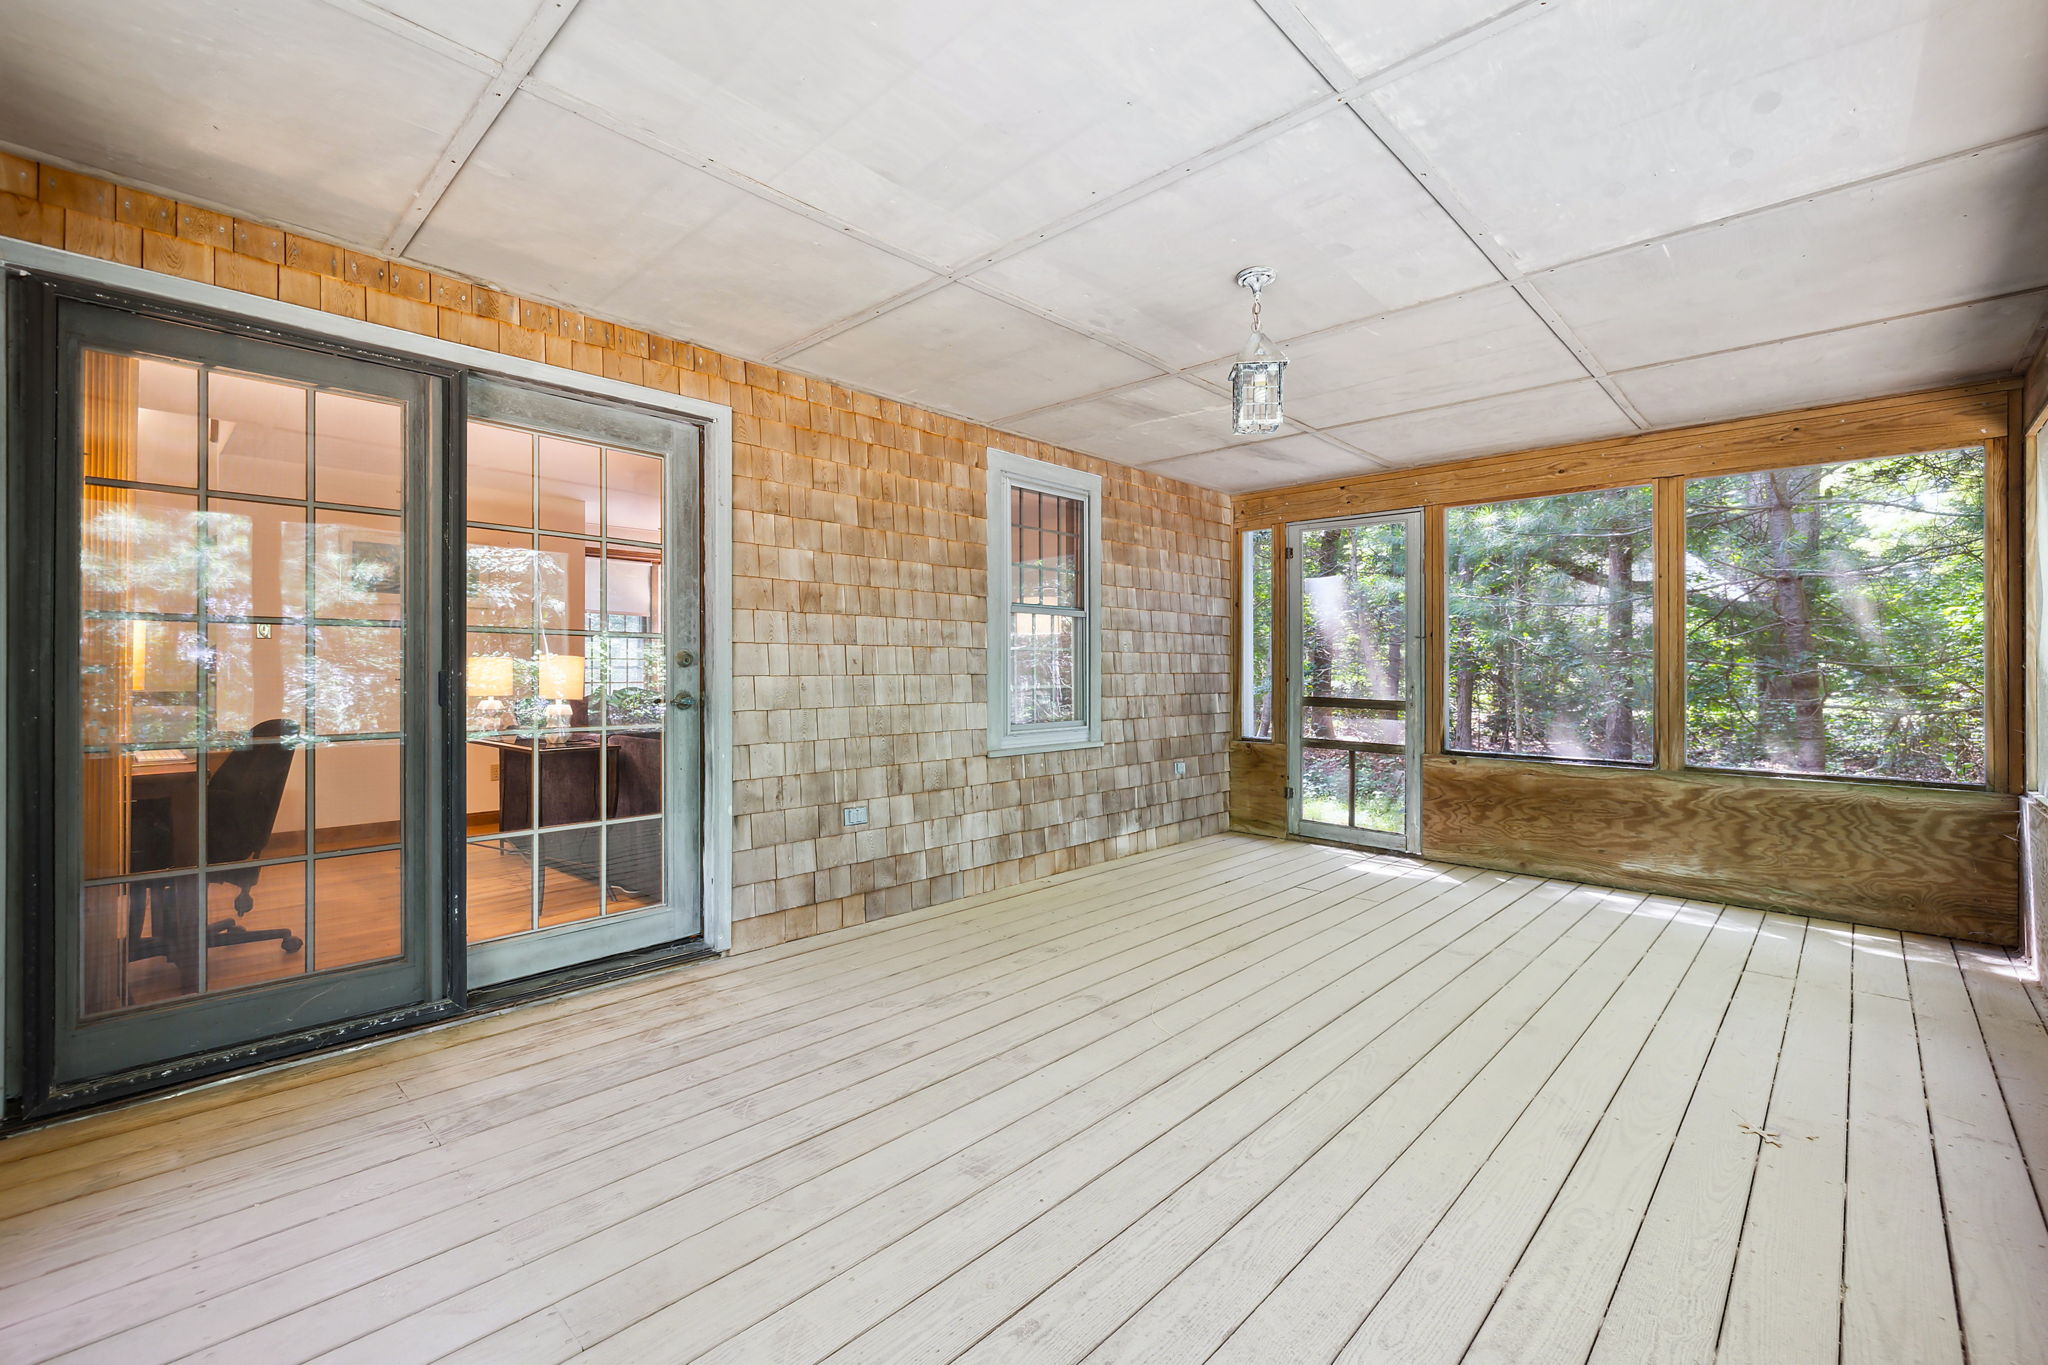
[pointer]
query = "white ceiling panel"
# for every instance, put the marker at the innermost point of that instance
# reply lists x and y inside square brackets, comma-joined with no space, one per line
[1030,214]
[1446,352]
[1963,229]
[1605,122]
[1302,458]
[1371,35]
[201,97]
[966,352]
[554,205]
[1151,421]
[1975,341]
[486,27]
[1347,228]
[943,128]
[1562,413]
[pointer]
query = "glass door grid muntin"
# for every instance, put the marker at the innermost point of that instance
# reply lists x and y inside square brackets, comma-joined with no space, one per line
[72,1057]
[206,740]
[536,832]
[676,915]
[1408,710]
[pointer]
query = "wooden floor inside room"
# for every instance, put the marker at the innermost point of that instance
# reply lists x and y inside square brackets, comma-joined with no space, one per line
[1237,1100]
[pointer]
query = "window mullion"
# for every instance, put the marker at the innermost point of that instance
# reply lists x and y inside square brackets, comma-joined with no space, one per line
[1667,551]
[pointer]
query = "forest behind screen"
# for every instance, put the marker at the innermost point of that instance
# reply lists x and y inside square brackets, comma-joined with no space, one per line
[1835,618]
[1834,622]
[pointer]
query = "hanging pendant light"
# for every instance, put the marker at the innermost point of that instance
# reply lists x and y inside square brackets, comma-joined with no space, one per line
[1255,378]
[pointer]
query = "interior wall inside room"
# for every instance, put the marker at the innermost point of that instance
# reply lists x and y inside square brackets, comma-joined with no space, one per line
[859,577]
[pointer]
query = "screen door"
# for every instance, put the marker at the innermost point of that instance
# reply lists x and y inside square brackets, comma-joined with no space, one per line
[1355,654]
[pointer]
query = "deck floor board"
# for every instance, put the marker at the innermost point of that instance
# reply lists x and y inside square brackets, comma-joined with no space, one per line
[1234,1101]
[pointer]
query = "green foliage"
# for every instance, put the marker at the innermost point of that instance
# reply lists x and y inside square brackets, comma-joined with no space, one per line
[1354,643]
[1835,618]
[1549,649]
[1258,723]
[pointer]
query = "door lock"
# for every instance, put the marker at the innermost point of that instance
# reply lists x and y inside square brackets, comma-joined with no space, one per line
[684,658]
[684,701]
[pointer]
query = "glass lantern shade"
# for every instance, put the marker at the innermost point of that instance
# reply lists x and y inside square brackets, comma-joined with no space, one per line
[1255,387]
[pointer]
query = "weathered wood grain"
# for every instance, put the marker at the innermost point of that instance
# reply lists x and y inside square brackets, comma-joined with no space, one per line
[1928,861]
[1258,786]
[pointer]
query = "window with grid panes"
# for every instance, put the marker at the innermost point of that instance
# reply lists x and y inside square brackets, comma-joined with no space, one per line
[1044,556]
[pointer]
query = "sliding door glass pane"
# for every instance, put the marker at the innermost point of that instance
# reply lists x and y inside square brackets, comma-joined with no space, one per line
[240,635]
[567,679]
[1835,618]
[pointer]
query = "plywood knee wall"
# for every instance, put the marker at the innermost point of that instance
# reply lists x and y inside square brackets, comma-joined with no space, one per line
[859,617]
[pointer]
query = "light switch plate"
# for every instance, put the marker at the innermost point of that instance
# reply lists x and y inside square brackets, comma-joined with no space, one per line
[850,816]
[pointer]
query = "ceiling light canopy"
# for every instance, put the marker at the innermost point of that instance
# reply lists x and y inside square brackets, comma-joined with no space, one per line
[1255,378]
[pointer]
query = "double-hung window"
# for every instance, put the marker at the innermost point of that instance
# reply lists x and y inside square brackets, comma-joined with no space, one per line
[1044,627]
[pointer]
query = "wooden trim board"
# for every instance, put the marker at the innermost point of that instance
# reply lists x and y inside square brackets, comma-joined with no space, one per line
[1929,861]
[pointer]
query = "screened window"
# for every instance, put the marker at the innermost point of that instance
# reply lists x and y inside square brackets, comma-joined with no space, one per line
[1549,649]
[1044,560]
[1256,666]
[1835,619]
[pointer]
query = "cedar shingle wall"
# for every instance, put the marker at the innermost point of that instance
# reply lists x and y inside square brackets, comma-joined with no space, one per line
[859,617]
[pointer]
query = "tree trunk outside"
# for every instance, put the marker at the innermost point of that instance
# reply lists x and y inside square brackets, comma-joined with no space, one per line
[1792,688]
[1619,730]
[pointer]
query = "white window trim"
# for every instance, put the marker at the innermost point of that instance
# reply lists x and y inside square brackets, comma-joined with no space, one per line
[1007,471]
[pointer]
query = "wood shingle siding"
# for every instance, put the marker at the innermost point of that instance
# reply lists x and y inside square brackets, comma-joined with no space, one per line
[858,612]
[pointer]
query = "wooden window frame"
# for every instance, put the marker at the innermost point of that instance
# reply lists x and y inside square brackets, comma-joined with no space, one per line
[1968,415]
[1005,472]
[1436,578]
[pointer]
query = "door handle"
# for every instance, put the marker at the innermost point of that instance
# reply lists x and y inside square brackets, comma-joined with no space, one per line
[684,701]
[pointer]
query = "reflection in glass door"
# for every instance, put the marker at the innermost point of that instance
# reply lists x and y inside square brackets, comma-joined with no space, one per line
[1355,728]
[236,821]
[581,681]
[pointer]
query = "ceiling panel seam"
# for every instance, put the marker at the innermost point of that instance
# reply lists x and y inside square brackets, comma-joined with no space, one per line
[533,40]
[1107,204]
[1326,435]
[832,329]
[417,34]
[2029,292]
[1809,197]
[1296,427]
[2035,341]
[1347,91]
[1518,282]
[1316,50]
[590,113]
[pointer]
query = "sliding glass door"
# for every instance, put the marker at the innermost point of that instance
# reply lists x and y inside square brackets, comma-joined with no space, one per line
[1354,725]
[240,700]
[322,713]
[583,733]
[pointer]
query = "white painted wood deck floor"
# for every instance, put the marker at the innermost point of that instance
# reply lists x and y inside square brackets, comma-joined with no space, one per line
[1233,1101]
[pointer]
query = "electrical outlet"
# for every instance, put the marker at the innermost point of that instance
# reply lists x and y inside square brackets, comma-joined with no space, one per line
[849,816]
[494,772]
[1180,767]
